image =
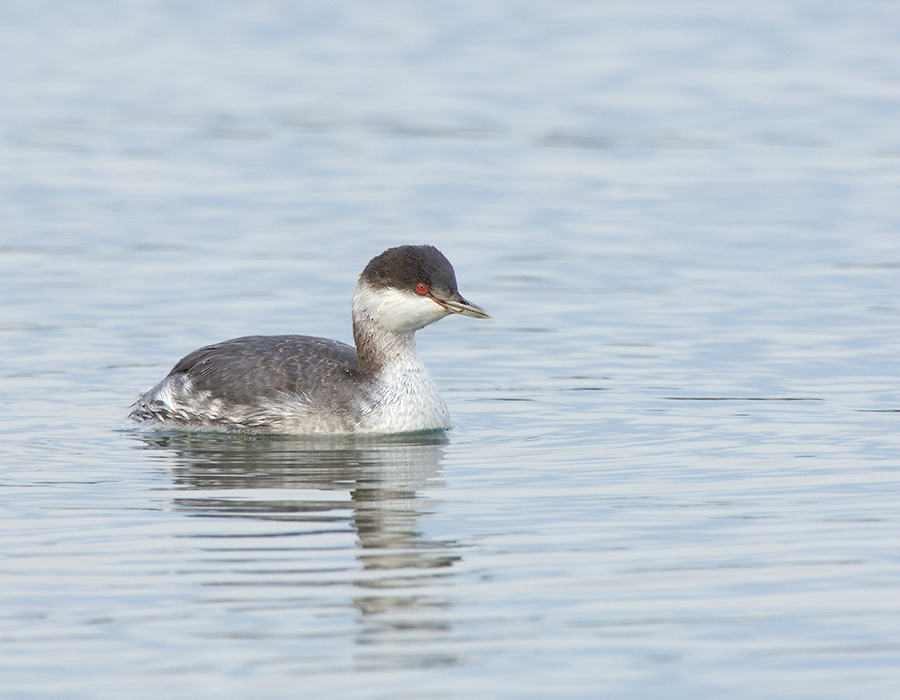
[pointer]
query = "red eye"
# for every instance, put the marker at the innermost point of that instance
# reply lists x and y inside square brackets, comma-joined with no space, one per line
[421,288]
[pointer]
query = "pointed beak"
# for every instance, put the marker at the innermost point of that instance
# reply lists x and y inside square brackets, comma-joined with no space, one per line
[462,306]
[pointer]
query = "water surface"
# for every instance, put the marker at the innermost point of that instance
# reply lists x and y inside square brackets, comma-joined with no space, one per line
[674,471]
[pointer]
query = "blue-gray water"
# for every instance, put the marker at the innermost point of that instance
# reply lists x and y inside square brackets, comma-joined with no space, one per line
[676,467]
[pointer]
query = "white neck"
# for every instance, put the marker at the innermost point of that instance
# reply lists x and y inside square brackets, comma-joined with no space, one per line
[384,326]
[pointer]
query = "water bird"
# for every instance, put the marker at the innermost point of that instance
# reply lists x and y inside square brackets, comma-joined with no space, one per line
[306,385]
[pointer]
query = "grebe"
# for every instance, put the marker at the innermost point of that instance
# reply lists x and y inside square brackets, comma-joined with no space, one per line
[305,385]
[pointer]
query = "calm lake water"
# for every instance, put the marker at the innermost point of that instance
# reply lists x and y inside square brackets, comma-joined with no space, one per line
[676,466]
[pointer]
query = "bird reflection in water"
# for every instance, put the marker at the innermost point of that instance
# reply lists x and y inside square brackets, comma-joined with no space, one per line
[289,480]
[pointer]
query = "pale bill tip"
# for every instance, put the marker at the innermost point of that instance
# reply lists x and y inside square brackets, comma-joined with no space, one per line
[463,307]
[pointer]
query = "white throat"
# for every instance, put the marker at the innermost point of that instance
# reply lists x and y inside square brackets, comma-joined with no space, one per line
[385,321]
